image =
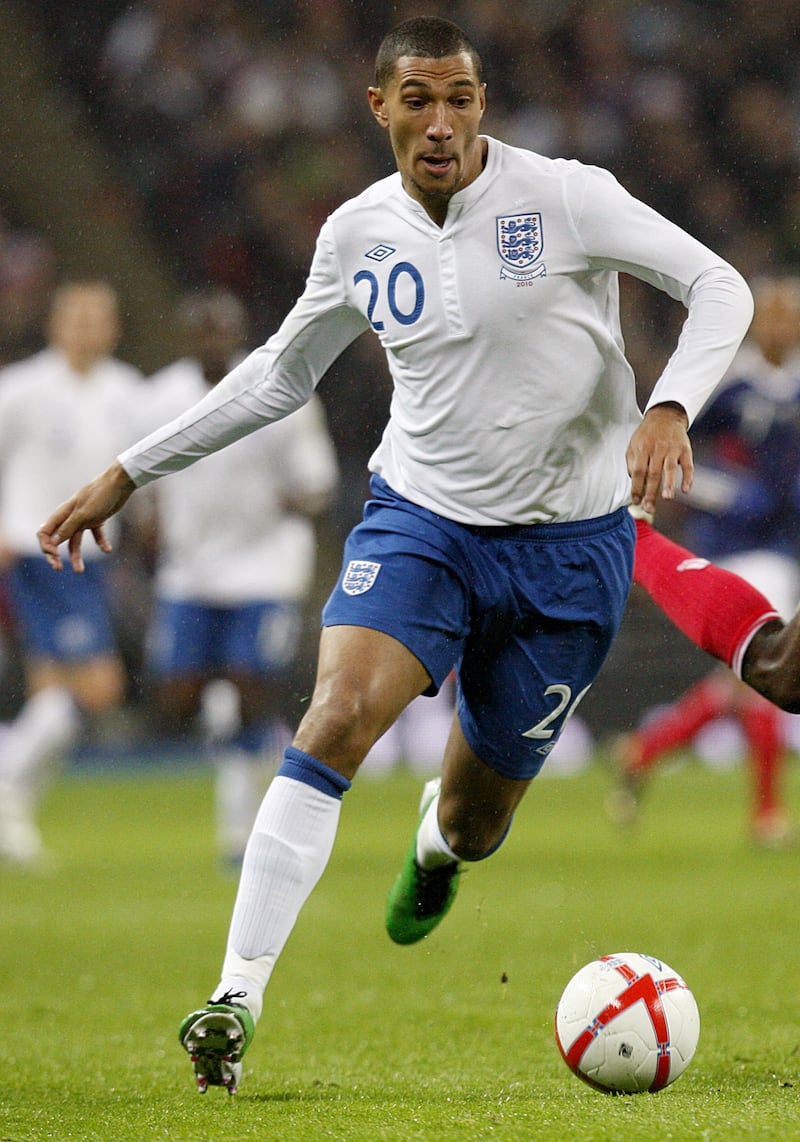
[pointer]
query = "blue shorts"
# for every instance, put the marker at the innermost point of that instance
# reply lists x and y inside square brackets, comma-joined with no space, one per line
[526,615]
[254,638]
[62,615]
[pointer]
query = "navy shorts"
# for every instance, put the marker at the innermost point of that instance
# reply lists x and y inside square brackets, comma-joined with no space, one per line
[525,615]
[187,638]
[63,616]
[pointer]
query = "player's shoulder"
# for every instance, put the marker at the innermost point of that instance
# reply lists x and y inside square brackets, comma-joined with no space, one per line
[373,197]
[751,372]
[183,373]
[123,372]
[509,157]
[176,386]
[24,379]
[560,183]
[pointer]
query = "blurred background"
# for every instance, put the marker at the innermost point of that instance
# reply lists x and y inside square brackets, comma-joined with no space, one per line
[175,144]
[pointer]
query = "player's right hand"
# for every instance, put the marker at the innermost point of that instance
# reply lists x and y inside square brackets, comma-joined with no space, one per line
[86,510]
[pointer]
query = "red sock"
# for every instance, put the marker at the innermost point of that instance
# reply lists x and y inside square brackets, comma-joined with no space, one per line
[762,728]
[677,725]
[717,610]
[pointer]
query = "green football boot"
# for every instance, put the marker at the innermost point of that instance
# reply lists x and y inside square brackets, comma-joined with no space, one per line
[420,897]
[216,1037]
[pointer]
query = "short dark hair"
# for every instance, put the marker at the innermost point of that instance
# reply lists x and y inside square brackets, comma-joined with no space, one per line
[428,37]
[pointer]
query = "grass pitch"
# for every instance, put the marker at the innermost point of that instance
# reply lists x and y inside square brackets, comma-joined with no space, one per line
[362,1041]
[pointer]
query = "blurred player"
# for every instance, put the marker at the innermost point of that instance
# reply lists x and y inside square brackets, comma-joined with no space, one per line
[497,540]
[233,570]
[743,514]
[58,411]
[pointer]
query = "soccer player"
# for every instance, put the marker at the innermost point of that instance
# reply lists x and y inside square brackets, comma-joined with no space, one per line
[233,571]
[497,539]
[743,514]
[59,409]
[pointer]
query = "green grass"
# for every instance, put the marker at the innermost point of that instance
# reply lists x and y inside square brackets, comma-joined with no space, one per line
[362,1041]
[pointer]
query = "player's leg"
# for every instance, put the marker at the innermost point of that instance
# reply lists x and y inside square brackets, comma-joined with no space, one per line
[71,668]
[770,663]
[256,645]
[762,727]
[722,614]
[464,816]
[426,728]
[365,678]
[679,723]
[392,627]
[545,624]
[637,753]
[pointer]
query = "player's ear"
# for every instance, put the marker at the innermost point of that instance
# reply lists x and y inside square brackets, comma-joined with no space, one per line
[378,105]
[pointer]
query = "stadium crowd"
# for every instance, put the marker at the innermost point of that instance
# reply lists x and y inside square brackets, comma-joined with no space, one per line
[241,125]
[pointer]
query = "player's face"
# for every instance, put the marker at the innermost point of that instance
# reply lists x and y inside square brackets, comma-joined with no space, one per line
[215,341]
[432,109]
[84,324]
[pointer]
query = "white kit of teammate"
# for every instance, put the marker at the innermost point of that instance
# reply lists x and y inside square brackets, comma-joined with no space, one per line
[59,410]
[55,428]
[208,550]
[232,577]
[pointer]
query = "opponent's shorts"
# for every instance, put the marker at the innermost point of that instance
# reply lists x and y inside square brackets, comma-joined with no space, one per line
[253,638]
[526,615]
[63,616]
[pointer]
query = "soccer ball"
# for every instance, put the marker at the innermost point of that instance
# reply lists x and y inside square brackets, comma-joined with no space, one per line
[627,1023]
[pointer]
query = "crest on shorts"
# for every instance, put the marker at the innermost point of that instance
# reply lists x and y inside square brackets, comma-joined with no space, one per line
[520,244]
[359,576]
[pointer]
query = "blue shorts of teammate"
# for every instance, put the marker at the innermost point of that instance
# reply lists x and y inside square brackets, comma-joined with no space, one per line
[187,638]
[64,617]
[526,615]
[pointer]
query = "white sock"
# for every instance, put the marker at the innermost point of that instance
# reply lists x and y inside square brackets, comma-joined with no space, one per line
[432,849]
[43,730]
[287,853]
[238,788]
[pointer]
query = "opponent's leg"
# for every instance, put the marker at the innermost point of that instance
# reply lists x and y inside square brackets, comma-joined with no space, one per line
[717,609]
[770,663]
[761,723]
[637,753]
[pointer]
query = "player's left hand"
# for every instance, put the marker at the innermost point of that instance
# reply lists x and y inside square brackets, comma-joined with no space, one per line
[657,449]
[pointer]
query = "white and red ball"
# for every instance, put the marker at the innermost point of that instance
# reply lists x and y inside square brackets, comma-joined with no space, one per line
[627,1023]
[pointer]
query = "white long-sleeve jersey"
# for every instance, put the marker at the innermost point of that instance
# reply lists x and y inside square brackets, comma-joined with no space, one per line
[513,402]
[226,534]
[56,426]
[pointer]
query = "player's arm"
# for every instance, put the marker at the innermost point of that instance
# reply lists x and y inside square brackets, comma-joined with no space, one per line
[87,510]
[657,450]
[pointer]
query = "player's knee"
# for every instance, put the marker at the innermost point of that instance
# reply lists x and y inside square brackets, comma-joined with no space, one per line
[340,727]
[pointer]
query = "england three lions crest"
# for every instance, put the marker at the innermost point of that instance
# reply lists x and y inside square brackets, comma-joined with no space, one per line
[520,244]
[359,576]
